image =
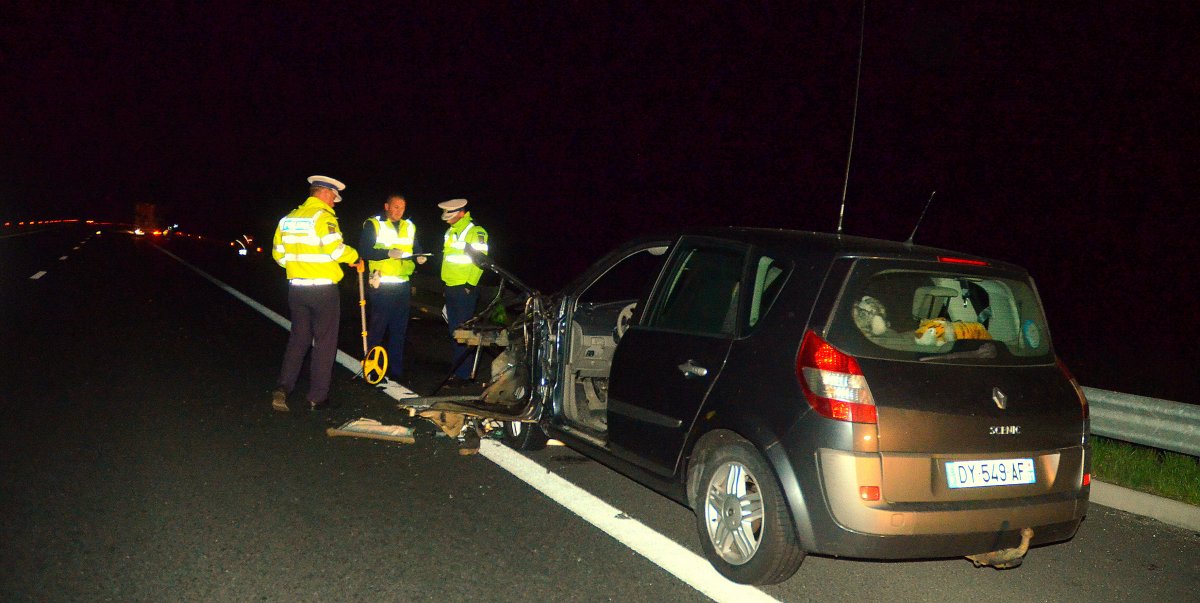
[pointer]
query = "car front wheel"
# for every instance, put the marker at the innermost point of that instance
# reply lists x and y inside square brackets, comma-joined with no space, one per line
[746,529]
[524,436]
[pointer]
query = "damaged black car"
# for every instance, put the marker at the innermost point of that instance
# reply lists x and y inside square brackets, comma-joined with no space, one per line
[805,393]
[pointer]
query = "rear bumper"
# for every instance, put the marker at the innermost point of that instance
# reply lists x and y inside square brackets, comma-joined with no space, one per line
[846,543]
[843,525]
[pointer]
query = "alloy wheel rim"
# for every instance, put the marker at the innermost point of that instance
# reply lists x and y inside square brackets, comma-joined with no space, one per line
[733,513]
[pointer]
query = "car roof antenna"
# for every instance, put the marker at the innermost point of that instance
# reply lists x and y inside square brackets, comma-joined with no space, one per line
[918,224]
[854,119]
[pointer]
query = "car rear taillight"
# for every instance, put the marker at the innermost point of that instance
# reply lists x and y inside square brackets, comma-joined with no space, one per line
[1074,384]
[833,384]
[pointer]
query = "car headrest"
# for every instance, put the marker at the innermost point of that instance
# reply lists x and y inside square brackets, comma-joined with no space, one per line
[928,301]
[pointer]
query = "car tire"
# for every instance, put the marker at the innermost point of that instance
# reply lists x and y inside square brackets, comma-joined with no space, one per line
[524,436]
[755,550]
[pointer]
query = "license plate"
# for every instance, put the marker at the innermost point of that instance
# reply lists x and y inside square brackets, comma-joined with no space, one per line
[999,472]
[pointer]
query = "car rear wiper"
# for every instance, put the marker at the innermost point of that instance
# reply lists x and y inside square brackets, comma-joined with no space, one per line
[985,351]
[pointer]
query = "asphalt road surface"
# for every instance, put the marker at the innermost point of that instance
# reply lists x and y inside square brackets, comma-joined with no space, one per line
[141,461]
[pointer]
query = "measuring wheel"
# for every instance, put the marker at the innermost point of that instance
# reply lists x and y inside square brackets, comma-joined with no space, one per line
[375,365]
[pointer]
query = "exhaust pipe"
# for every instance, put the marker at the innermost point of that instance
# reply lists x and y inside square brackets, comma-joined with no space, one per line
[1005,558]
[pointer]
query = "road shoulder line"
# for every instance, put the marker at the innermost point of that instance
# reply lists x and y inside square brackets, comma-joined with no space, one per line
[1168,511]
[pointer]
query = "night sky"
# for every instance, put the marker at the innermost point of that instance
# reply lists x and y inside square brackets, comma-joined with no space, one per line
[1061,138]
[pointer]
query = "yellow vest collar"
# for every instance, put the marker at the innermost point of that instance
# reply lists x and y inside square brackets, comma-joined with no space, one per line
[319,204]
[462,224]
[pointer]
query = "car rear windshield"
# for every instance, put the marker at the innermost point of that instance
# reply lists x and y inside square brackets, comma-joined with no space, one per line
[910,311]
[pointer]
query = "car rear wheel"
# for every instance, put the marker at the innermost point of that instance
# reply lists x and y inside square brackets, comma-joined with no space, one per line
[746,529]
[524,436]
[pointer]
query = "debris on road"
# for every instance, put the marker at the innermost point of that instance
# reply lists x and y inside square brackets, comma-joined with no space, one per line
[370,428]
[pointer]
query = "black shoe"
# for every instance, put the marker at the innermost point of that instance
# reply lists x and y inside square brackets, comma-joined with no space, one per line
[316,406]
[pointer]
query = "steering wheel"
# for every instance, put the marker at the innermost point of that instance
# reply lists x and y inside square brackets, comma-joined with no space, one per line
[623,320]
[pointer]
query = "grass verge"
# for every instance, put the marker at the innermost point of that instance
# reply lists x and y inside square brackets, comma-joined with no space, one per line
[1159,472]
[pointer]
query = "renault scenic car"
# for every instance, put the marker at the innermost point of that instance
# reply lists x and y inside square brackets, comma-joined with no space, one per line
[807,393]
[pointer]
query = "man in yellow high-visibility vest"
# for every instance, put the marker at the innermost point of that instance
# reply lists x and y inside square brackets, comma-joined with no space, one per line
[460,276]
[308,245]
[389,244]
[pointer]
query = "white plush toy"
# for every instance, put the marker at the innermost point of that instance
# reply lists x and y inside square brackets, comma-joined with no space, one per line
[871,316]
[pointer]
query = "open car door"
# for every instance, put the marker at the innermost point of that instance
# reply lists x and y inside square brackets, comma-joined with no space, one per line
[508,395]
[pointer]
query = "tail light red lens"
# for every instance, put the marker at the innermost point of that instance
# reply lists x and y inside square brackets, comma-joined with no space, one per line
[869,493]
[1087,479]
[833,383]
[1074,384]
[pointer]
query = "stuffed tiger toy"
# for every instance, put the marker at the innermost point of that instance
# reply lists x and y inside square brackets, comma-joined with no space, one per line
[937,331]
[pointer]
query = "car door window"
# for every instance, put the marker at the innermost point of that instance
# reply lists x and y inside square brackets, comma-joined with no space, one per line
[701,293]
[627,280]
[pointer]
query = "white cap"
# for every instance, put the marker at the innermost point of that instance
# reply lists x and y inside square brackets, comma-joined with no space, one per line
[451,207]
[327,182]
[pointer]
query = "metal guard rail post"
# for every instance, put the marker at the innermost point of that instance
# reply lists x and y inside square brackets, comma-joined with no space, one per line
[1162,424]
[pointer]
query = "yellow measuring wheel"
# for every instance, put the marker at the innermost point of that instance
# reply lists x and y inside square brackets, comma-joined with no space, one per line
[375,365]
[375,360]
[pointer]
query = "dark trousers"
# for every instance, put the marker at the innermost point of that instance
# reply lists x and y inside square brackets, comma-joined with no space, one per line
[389,306]
[460,306]
[315,311]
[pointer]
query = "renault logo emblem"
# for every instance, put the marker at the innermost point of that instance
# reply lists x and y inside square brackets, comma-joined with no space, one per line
[999,398]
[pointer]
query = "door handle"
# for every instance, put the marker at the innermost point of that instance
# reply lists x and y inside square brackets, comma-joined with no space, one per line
[691,369]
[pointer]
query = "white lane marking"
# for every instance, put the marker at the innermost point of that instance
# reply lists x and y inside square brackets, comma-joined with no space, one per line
[265,311]
[689,567]
[343,358]
[75,248]
[692,569]
[62,258]
[39,274]
[393,389]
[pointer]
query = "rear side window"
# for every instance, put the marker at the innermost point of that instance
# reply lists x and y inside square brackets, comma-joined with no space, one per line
[940,315]
[768,279]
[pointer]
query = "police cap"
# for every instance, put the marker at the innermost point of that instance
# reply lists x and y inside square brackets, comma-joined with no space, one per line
[451,207]
[327,182]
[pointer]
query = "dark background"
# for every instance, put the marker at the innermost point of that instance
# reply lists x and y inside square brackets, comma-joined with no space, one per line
[1062,138]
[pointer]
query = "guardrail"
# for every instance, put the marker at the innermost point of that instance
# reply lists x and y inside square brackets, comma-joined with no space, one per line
[1151,422]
